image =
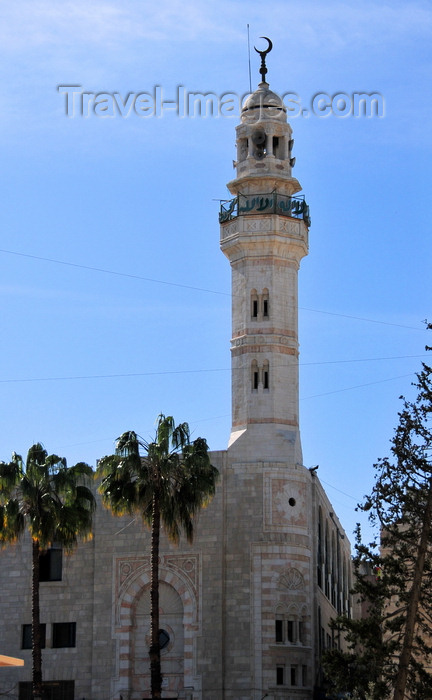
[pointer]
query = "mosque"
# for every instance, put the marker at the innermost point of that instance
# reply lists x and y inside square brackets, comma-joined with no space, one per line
[245,609]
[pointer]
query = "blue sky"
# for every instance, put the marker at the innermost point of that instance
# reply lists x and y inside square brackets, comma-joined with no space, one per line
[115,296]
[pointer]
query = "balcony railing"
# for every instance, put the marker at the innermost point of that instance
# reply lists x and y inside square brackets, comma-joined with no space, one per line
[273,203]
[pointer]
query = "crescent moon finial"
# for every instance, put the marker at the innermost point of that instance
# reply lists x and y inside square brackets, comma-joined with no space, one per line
[263,54]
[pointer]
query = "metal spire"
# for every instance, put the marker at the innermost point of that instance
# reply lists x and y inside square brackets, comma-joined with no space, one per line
[263,54]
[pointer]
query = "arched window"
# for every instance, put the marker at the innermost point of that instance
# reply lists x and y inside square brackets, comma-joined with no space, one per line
[327,562]
[333,570]
[254,304]
[279,630]
[302,628]
[265,303]
[320,548]
[292,629]
[290,626]
[242,149]
[320,632]
[254,375]
[265,375]
[344,588]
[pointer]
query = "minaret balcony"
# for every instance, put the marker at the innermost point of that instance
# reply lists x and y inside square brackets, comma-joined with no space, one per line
[270,203]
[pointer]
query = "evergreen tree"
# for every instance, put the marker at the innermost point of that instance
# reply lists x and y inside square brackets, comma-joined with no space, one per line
[166,481]
[390,648]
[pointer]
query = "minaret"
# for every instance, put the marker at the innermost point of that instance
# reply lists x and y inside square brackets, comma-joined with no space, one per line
[264,234]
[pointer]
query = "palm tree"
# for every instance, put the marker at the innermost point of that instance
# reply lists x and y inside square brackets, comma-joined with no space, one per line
[53,503]
[166,484]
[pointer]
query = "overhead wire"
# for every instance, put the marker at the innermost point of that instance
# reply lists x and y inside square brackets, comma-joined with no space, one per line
[191,287]
[127,375]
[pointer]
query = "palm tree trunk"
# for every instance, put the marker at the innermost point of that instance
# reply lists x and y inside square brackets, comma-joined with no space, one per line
[36,635]
[155,665]
[414,601]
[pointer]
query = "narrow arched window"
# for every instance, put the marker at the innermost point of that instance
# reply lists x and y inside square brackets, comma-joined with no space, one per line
[333,570]
[265,303]
[266,375]
[242,149]
[254,304]
[255,375]
[302,631]
[279,631]
[292,629]
[320,556]
[327,562]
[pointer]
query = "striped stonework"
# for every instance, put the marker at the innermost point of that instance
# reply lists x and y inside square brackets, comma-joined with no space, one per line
[179,576]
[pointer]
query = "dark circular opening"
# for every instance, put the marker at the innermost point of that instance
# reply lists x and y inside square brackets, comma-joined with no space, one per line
[163,639]
[292,501]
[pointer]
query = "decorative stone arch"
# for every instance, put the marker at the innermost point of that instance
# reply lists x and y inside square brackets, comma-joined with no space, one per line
[293,609]
[180,572]
[280,609]
[290,611]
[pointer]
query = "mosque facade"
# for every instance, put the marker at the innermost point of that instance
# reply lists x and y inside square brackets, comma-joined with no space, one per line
[245,609]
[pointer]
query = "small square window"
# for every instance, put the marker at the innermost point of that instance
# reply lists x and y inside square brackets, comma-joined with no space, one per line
[26,636]
[50,565]
[63,634]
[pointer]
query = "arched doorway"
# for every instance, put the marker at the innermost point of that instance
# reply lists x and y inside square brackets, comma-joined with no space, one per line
[179,581]
[171,639]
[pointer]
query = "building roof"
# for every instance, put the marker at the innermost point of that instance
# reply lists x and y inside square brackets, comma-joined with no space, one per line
[10,661]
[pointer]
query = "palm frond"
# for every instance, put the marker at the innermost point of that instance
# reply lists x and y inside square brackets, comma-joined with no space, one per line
[10,474]
[12,522]
[178,471]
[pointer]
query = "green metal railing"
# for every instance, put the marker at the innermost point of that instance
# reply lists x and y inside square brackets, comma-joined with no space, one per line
[272,203]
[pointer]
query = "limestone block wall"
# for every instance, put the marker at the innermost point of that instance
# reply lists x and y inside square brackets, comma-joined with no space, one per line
[122,577]
[268,554]
[268,568]
[67,601]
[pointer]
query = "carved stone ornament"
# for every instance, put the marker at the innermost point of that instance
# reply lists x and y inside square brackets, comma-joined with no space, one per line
[291,580]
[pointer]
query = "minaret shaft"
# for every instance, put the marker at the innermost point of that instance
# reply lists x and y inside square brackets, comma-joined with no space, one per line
[264,234]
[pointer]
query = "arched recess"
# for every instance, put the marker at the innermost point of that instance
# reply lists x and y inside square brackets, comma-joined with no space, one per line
[179,613]
[172,640]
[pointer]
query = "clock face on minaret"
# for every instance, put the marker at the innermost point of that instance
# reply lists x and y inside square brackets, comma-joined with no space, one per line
[264,234]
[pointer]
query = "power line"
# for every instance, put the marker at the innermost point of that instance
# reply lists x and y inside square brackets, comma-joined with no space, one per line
[366,359]
[113,272]
[154,280]
[200,371]
[338,490]
[357,386]
[112,376]
[360,318]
